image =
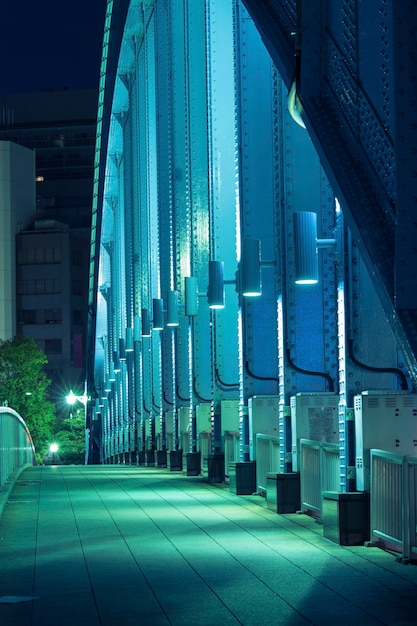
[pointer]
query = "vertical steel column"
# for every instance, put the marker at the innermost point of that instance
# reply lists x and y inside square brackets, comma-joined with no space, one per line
[224,199]
[257,118]
[199,325]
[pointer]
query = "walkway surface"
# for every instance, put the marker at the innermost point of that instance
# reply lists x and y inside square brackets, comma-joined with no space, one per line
[133,546]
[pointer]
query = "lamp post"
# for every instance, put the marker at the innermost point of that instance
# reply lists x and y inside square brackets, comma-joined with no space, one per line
[71,398]
[53,450]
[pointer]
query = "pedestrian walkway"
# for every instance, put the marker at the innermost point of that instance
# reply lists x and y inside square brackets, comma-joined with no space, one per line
[132,546]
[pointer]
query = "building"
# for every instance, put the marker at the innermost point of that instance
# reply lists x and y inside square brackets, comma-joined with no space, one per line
[252,265]
[59,126]
[17,208]
[51,267]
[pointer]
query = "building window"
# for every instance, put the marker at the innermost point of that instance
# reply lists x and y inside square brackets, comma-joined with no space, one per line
[38,256]
[52,255]
[53,346]
[26,317]
[53,316]
[77,258]
[38,286]
[77,317]
[76,287]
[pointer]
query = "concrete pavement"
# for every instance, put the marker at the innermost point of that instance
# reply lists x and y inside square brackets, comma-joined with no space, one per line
[135,546]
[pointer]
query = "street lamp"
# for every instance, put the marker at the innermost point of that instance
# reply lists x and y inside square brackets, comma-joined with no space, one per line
[53,451]
[71,398]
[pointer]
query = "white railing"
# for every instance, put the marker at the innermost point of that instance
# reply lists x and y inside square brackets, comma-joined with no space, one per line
[319,471]
[16,447]
[205,447]
[393,502]
[267,459]
[231,450]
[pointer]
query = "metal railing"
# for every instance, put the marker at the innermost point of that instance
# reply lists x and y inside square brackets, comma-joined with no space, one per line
[267,459]
[231,449]
[394,502]
[319,471]
[16,447]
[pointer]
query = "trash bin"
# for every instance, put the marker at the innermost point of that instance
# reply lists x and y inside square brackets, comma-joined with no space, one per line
[242,478]
[346,517]
[215,468]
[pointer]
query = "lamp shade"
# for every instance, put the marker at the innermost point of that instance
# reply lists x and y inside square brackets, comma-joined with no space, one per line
[146,323]
[157,314]
[172,308]
[103,392]
[215,294]
[137,328]
[112,373]
[122,349]
[129,339]
[305,247]
[116,362]
[250,268]
[191,295]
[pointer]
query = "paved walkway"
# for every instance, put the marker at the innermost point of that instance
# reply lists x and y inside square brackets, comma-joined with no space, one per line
[133,546]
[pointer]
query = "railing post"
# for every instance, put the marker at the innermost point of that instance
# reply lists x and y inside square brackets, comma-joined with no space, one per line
[406,528]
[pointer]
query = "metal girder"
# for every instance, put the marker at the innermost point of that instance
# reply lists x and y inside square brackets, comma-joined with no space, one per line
[356,82]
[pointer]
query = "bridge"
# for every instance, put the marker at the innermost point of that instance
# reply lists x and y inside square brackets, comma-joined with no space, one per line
[128,545]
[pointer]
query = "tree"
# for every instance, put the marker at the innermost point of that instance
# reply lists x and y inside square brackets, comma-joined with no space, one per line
[71,440]
[24,386]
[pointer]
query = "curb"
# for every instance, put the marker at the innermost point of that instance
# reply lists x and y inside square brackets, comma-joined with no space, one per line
[8,486]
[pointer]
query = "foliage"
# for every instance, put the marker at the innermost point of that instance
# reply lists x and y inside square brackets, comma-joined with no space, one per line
[24,386]
[71,440]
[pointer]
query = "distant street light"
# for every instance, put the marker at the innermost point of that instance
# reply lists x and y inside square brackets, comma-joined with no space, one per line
[53,451]
[71,398]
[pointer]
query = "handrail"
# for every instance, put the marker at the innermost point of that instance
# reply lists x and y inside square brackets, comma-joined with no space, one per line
[319,471]
[393,502]
[16,446]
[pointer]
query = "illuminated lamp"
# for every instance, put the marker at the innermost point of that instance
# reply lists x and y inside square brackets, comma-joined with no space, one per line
[191,296]
[250,268]
[305,247]
[129,339]
[215,293]
[172,308]
[146,323]
[157,314]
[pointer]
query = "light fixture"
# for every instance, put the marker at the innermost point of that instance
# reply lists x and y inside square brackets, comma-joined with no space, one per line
[137,328]
[215,293]
[112,373]
[250,268]
[146,323]
[157,314]
[191,295]
[107,381]
[72,398]
[295,108]
[122,349]
[172,308]
[305,247]
[116,362]
[129,339]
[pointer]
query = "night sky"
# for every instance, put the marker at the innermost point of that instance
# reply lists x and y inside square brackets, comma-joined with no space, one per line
[49,43]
